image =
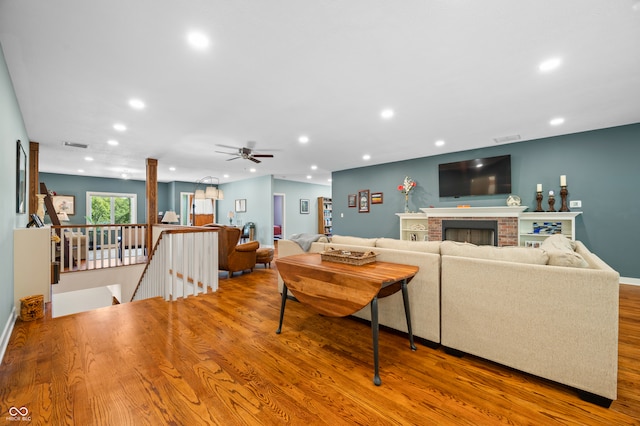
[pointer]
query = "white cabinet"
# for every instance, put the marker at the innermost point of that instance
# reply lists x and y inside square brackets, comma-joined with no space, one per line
[534,227]
[413,226]
[31,263]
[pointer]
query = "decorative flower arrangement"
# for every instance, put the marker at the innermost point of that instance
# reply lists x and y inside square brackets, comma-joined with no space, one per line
[406,188]
[407,185]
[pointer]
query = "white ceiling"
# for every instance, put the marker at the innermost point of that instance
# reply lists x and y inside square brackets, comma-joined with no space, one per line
[462,71]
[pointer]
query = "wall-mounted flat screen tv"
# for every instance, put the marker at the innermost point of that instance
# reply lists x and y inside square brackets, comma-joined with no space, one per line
[482,176]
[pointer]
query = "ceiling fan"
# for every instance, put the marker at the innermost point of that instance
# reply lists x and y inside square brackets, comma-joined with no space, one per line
[246,152]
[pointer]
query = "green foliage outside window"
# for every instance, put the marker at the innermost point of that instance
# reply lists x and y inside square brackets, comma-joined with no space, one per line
[103,207]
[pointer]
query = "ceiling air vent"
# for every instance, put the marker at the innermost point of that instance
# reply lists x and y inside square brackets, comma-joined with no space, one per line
[505,139]
[75,145]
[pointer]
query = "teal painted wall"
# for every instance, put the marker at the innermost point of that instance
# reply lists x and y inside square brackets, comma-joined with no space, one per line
[12,129]
[259,203]
[296,222]
[79,185]
[601,168]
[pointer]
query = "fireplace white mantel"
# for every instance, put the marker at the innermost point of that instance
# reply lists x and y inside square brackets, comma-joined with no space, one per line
[515,226]
[500,211]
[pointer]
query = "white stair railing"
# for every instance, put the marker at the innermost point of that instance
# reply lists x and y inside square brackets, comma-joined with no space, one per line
[184,262]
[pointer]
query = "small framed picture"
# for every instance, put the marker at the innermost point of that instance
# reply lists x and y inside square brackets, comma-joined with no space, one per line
[241,205]
[64,204]
[304,206]
[363,201]
[351,200]
[376,198]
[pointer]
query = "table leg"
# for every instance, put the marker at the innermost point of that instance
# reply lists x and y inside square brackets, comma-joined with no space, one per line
[407,312]
[285,290]
[375,331]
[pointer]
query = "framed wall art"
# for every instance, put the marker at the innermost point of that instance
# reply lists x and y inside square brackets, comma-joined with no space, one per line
[351,200]
[376,198]
[21,179]
[304,206]
[363,201]
[64,204]
[241,205]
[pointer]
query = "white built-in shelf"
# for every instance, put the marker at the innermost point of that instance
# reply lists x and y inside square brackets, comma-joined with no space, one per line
[565,222]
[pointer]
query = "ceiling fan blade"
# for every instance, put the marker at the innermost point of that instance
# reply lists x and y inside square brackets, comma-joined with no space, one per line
[234,158]
[263,155]
[229,146]
[255,160]
[228,153]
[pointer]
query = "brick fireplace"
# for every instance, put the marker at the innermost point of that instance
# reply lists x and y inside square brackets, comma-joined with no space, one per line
[505,219]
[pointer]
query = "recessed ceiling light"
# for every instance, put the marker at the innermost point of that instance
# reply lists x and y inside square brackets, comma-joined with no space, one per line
[88,158]
[120,127]
[225,176]
[309,176]
[172,169]
[557,121]
[366,157]
[198,40]
[550,64]
[303,139]
[113,142]
[387,113]
[329,180]
[125,176]
[80,170]
[439,143]
[252,170]
[314,167]
[136,104]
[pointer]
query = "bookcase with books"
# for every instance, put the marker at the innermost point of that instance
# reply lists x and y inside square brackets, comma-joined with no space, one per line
[325,219]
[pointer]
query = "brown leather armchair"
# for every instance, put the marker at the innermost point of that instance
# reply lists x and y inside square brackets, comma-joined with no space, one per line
[234,257]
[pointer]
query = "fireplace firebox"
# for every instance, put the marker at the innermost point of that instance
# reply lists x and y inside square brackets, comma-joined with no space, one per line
[479,232]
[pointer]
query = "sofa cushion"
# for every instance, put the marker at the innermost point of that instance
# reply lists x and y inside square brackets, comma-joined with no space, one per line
[508,254]
[561,251]
[354,241]
[421,246]
[558,242]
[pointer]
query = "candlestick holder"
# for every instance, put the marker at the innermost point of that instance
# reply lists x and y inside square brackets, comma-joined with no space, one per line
[563,197]
[539,200]
[552,202]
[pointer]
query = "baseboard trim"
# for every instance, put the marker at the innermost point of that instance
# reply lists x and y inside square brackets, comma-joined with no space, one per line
[630,281]
[6,333]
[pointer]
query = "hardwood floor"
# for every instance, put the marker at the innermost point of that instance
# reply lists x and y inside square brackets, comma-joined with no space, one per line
[215,359]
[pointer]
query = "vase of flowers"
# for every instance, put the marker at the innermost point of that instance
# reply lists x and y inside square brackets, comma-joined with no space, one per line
[406,188]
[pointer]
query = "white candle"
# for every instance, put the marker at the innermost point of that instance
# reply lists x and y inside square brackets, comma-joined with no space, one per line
[563,180]
[539,187]
[551,193]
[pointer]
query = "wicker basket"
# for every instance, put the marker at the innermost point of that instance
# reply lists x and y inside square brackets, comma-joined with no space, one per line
[349,257]
[32,307]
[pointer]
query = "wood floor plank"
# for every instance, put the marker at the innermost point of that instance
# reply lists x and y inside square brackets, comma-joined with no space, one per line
[215,359]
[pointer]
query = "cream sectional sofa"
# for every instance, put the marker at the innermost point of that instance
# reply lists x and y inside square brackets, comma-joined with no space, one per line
[550,311]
